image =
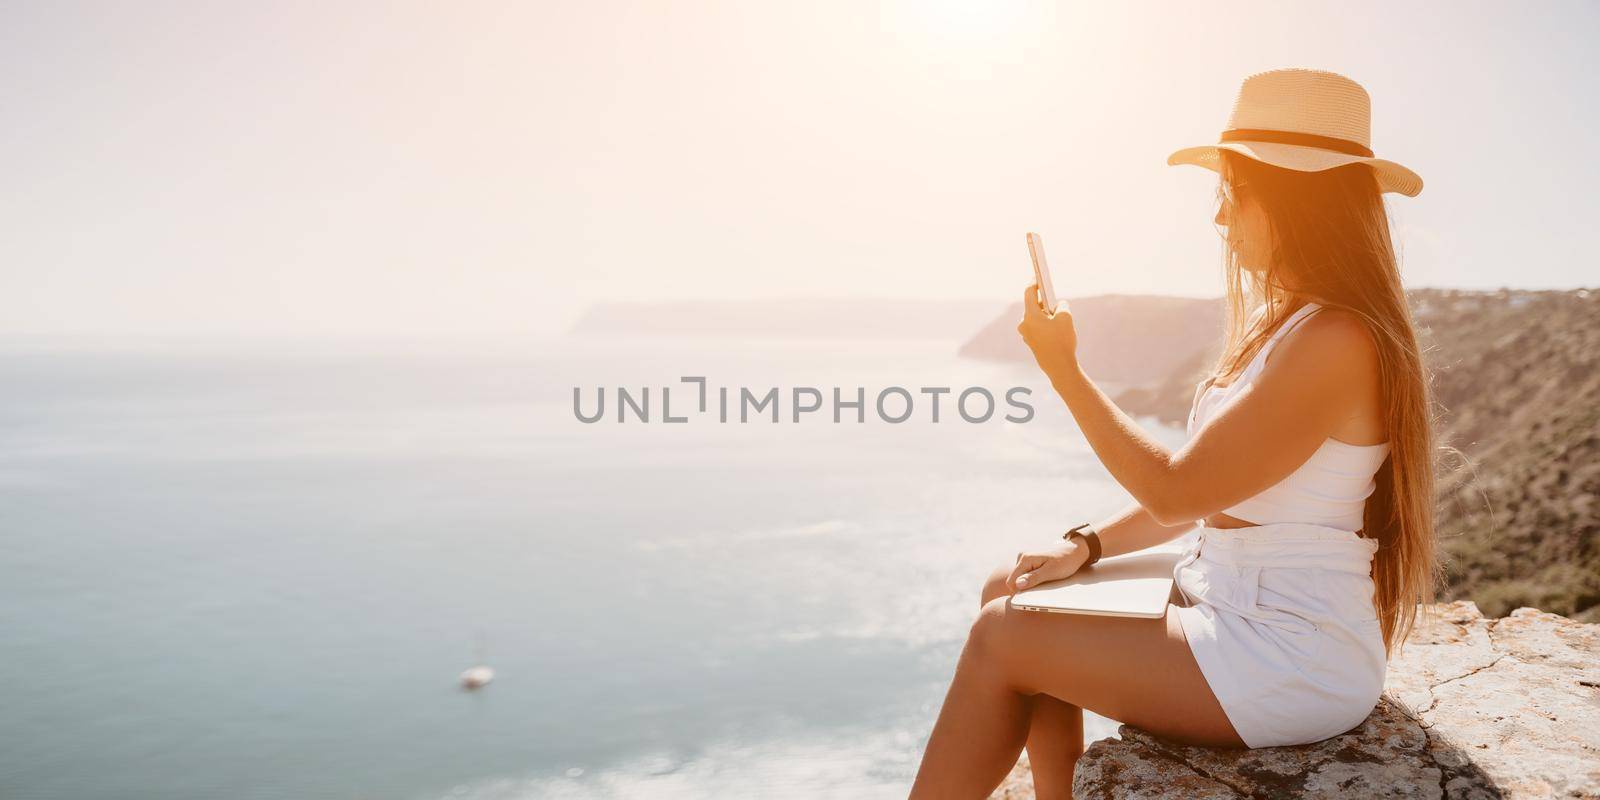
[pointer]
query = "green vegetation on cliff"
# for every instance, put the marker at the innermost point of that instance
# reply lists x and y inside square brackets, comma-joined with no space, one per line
[1515,376]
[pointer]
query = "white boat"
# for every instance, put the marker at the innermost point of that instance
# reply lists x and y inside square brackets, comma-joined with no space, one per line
[476,678]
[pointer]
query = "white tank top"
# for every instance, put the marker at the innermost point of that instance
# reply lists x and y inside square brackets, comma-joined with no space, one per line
[1330,488]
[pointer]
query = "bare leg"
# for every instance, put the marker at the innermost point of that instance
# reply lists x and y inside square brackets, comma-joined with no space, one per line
[1055,730]
[1139,671]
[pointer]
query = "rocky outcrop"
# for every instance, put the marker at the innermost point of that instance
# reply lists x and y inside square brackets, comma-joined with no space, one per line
[1473,708]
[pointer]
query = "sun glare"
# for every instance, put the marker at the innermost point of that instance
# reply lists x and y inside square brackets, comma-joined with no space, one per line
[963,24]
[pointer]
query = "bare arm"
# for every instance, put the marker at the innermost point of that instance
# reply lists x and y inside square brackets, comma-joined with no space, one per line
[1133,529]
[1311,385]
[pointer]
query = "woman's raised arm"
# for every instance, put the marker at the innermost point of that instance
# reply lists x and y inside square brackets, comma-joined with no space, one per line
[1315,380]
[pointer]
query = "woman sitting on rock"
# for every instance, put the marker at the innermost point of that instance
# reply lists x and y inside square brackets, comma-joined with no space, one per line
[1308,467]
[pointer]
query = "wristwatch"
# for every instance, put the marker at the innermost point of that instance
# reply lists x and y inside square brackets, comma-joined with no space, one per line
[1087,533]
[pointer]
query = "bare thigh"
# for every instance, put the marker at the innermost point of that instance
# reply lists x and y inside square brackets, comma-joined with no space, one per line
[1138,671]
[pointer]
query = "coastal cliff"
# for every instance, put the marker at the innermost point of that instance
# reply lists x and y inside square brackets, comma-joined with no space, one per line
[1473,708]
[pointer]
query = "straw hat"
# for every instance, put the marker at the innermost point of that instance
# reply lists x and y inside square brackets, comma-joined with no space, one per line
[1303,119]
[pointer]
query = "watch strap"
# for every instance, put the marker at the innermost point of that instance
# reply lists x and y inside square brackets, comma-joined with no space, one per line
[1090,537]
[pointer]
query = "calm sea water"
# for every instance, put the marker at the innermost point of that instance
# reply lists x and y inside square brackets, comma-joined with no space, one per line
[257,573]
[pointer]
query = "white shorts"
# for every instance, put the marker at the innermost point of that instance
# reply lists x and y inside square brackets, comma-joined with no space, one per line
[1282,623]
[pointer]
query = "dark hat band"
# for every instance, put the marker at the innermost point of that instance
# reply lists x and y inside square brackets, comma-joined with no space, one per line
[1303,139]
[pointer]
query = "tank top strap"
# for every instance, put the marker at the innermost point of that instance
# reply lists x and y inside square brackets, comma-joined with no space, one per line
[1259,362]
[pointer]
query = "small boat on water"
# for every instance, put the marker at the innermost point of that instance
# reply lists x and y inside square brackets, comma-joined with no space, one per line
[476,678]
[479,676]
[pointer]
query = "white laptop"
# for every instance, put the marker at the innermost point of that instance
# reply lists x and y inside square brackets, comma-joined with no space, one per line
[1130,585]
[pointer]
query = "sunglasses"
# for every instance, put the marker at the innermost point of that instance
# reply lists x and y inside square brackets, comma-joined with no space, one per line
[1227,197]
[1229,192]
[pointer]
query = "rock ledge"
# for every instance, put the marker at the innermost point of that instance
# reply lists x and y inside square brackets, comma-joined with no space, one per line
[1473,708]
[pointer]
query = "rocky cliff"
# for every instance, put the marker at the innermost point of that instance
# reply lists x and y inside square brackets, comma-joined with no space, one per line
[1516,376]
[1473,708]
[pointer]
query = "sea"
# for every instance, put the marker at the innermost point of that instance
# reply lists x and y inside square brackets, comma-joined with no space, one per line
[256,570]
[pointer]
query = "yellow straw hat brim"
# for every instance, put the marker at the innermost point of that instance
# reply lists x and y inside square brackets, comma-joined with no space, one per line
[1392,177]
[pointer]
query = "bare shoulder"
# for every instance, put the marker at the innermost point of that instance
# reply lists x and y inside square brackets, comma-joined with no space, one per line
[1332,344]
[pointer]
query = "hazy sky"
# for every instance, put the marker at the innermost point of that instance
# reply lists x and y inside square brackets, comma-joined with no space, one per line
[262,168]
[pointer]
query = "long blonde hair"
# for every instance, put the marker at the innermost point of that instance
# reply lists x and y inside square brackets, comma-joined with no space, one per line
[1331,244]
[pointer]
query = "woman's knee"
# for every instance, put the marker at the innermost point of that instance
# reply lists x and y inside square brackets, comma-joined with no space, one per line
[988,635]
[997,584]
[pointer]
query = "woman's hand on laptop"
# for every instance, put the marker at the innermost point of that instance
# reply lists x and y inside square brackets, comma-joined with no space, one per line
[1049,564]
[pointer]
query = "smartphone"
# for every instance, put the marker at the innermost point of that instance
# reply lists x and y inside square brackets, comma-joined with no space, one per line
[1041,273]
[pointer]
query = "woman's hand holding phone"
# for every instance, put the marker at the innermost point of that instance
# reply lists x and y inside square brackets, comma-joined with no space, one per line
[1051,336]
[1050,564]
